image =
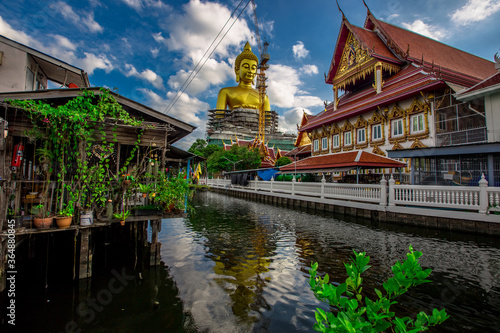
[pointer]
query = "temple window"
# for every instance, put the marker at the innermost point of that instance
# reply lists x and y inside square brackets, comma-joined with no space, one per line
[347,138]
[324,143]
[336,141]
[316,145]
[361,137]
[397,127]
[417,123]
[377,132]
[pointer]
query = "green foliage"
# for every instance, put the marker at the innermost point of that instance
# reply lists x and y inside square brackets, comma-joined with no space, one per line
[122,216]
[224,160]
[283,160]
[355,312]
[68,209]
[69,133]
[170,192]
[200,148]
[145,188]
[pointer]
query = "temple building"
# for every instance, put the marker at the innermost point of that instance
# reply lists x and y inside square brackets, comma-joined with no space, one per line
[401,95]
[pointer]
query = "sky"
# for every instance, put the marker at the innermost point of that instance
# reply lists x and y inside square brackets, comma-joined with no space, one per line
[175,56]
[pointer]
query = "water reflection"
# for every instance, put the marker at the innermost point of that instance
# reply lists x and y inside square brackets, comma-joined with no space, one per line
[242,266]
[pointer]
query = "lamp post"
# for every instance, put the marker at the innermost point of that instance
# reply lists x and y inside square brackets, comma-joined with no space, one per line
[234,163]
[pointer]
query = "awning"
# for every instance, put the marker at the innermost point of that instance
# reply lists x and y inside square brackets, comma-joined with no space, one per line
[338,162]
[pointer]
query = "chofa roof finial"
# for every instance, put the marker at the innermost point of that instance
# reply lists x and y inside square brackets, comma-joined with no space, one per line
[343,16]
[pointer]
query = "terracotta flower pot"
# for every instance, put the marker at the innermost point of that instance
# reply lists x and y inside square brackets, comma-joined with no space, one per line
[43,222]
[63,221]
[144,195]
[122,222]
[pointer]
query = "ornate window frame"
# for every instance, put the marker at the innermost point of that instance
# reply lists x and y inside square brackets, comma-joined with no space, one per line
[397,113]
[324,143]
[416,108]
[335,130]
[336,147]
[347,128]
[361,123]
[315,145]
[375,120]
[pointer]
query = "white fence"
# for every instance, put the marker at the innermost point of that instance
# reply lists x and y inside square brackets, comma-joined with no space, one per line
[478,198]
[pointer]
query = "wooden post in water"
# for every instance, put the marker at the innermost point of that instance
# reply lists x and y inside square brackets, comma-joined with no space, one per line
[85,254]
[155,255]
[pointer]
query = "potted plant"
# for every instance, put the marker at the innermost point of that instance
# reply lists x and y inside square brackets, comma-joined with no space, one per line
[63,220]
[145,189]
[122,216]
[42,219]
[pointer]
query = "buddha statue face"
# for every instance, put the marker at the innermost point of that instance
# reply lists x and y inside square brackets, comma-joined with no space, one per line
[248,69]
[245,66]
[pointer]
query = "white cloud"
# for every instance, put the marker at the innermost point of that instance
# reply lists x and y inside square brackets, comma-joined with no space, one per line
[284,92]
[158,37]
[139,5]
[420,27]
[299,51]
[310,69]
[475,11]
[147,75]
[91,24]
[85,20]
[154,52]
[186,108]
[291,118]
[195,29]
[9,32]
[92,62]
[64,42]
[212,73]
[283,88]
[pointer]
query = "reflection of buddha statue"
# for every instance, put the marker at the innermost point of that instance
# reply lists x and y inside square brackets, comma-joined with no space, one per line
[243,95]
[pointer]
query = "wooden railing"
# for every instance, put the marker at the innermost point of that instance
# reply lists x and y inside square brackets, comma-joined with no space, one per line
[479,198]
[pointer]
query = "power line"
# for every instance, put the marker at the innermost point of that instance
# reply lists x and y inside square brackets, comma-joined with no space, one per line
[194,72]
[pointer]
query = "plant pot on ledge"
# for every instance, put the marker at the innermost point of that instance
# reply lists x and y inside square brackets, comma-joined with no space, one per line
[43,222]
[63,222]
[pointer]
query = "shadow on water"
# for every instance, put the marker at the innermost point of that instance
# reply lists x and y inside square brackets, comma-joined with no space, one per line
[115,299]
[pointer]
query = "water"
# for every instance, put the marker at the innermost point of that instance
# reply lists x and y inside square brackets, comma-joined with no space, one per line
[240,266]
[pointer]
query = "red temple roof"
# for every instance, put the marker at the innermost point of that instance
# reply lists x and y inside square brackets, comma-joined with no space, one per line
[350,159]
[417,47]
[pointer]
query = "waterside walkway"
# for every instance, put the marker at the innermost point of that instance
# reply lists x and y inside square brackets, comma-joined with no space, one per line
[471,209]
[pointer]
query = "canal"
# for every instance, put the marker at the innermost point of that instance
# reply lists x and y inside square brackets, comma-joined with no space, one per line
[240,266]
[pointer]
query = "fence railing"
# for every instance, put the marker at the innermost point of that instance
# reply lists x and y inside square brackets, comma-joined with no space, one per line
[479,198]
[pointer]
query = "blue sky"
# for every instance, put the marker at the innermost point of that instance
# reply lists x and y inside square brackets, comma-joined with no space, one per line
[148,48]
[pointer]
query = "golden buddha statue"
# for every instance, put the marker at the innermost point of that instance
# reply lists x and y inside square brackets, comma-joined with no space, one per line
[243,95]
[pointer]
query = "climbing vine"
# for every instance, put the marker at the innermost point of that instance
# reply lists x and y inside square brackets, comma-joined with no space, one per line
[70,134]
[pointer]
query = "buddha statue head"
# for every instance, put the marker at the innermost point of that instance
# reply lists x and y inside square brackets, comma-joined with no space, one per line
[248,55]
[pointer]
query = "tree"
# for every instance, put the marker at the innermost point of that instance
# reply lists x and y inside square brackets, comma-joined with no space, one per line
[283,160]
[239,158]
[200,148]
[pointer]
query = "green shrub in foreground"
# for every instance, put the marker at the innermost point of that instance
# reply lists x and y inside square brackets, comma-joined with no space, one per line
[355,312]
